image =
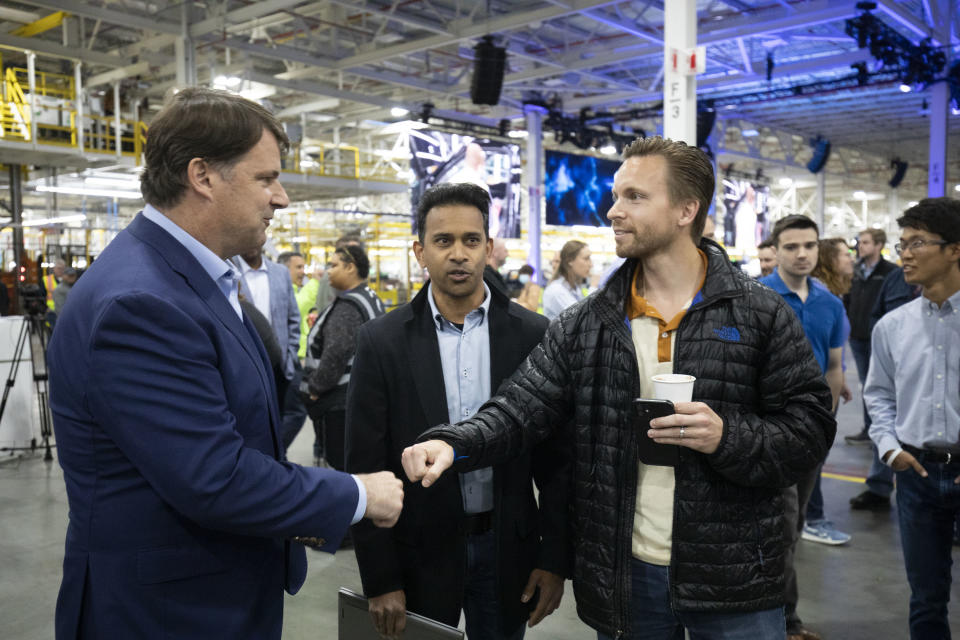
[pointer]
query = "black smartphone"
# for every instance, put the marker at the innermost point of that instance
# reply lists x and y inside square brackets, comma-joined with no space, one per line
[649,452]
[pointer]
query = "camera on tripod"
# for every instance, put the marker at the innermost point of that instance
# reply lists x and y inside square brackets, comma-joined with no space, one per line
[32,300]
[33,336]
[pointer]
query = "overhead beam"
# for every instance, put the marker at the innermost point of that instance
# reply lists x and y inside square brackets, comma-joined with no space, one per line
[762,22]
[121,73]
[907,19]
[15,15]
[54,50]
[41,25]
[250,12]
[147,23]
[464,29]
[318,89]
[727,82]
[305,107]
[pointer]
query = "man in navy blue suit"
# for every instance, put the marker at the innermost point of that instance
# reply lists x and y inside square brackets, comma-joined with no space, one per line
[184,514]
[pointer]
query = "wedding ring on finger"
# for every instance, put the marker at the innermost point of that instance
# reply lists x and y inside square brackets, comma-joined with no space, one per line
[681,432]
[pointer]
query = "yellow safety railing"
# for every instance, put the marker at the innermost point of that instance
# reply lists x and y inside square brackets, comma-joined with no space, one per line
[55,117]
[100,135]
[350,163]
[48,85]
[16,110]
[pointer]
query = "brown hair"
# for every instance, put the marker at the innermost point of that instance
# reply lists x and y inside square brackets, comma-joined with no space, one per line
[826,270]
[216,126]
[689,174]
[568,254]
[879,235]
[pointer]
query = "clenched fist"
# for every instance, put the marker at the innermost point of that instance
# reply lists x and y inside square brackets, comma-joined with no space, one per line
[384,497]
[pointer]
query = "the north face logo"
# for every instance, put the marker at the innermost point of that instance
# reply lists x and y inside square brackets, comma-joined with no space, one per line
[730,334]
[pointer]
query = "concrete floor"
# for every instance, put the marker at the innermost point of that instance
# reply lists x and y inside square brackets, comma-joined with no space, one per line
[853,592]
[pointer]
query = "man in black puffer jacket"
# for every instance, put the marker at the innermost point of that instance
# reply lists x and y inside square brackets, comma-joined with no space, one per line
[761,419]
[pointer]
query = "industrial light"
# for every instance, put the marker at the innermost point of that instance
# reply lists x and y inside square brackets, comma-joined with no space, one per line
[608,149]
[399,112]
[860,195]
[957,188]
[45,222]
[112,182]
[84,191]
[749,133]
[912,203]
[227,81]
[905,88]
[517,133]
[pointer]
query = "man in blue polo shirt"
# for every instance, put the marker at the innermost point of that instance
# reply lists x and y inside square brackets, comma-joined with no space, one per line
[796,240]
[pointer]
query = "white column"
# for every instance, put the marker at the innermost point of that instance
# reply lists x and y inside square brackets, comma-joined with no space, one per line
[32,83]
[679,90]
[184,51]
[78,101]
[821,198]
[939,112]
[534,114]
[117,130]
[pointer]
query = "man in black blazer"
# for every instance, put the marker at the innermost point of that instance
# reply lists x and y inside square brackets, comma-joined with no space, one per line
[476,543]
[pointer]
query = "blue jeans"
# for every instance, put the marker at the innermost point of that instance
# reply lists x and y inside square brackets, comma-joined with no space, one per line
[480,594]
[653,618]
[814,511]
[861,355]
[927,509]
[880,477]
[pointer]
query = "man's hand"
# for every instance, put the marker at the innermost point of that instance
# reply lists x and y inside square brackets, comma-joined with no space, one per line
[845,393]
[701,428]
[905,461]
[425,461]
[384,497]
[389,613]
[551,591]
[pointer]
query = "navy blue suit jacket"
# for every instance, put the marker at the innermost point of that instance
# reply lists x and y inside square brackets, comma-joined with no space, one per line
[166,423]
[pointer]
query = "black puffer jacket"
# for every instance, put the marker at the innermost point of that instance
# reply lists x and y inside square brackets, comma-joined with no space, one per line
[754,368]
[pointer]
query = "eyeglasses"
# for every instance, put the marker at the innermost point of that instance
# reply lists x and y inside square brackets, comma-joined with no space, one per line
[918,244]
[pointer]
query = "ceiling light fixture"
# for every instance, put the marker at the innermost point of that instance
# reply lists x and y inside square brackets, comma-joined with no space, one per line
[84,191]
[399,112]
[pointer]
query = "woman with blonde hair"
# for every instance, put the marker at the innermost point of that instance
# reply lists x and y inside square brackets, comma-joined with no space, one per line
[564,289]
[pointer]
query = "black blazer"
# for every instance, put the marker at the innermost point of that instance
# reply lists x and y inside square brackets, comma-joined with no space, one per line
[396,392]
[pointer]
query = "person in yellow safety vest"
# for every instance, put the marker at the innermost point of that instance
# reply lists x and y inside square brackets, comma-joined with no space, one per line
[51,280]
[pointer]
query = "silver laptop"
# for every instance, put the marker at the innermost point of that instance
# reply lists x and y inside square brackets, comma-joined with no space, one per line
[355,622]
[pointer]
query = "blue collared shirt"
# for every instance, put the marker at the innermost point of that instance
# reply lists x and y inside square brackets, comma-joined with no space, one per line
[821,315]
[465,358]
[226,278]
[219,270]
[913,384]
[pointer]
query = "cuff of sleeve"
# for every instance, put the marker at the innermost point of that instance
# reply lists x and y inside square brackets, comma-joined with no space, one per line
[361,501]
[890,458]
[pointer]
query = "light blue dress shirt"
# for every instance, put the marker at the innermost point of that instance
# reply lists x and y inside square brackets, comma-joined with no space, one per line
[465,358]
[227,279]
[220,271]
[913,384]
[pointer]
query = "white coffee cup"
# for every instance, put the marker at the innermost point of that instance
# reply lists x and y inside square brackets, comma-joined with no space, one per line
[675,387]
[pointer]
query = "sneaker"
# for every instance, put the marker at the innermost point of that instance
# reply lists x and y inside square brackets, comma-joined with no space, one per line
[870,501]
[823,532]
[858,438]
